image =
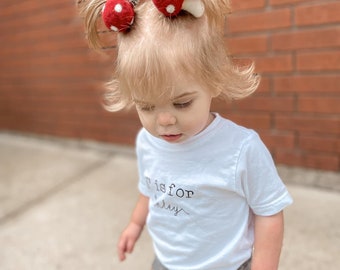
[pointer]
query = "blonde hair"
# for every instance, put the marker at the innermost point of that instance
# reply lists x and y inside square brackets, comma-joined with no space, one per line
[157,50]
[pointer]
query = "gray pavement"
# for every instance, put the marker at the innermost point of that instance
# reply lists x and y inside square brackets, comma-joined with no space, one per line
[63,204]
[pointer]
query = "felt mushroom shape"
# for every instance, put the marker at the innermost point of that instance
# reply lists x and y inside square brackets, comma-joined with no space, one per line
[118,15]
[171,8]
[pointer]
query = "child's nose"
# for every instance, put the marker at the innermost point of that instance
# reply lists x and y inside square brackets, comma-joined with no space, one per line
[166,119]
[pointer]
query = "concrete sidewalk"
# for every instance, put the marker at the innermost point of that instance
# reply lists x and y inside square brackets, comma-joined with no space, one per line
[64,203]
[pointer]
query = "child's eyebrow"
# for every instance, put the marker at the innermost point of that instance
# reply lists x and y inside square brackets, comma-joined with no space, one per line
[139,101]
[184,95]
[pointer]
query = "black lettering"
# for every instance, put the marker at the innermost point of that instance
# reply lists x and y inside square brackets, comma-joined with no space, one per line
[162,188]
[180,193]
[170,189]
[190,193]
[156,183]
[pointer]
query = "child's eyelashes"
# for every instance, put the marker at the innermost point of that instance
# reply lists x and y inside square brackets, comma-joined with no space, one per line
[147,108]
[182,105]
[177,105]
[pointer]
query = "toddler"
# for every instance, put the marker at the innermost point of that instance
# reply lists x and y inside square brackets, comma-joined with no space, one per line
[210,194]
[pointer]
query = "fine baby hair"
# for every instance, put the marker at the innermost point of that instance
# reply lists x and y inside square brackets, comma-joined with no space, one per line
[157,43]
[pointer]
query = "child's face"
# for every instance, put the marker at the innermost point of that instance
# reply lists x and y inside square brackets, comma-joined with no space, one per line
[177,117]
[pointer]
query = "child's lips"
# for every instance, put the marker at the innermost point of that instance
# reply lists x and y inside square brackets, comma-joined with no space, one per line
[171,137]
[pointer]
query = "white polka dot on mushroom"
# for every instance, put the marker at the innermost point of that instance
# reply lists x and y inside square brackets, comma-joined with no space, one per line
[114,28]
[170,9]
[118,8]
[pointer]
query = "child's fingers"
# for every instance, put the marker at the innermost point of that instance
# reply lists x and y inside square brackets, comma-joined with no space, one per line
[121,256]
[122,249]
[125,246]
[130,246]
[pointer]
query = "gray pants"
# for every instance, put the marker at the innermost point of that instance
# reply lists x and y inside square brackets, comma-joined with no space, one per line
[158,266]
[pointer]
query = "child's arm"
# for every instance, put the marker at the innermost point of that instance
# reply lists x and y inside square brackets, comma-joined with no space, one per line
[134,229]
[268,242]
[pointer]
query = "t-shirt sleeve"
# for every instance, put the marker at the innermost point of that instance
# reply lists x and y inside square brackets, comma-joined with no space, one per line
[260,183]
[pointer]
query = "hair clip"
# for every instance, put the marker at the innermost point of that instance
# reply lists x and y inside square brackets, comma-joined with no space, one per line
[119,15]
[171,8]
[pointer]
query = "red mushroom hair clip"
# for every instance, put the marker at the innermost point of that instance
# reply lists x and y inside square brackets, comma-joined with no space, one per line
[119,15]
[171,8]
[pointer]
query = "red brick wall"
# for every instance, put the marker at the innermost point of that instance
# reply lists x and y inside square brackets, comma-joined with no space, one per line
[50,82]
[295,45]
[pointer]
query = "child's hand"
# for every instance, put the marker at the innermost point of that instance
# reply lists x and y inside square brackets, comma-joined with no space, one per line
[128,239]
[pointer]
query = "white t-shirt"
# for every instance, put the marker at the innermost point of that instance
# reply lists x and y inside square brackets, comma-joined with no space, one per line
[203,194]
